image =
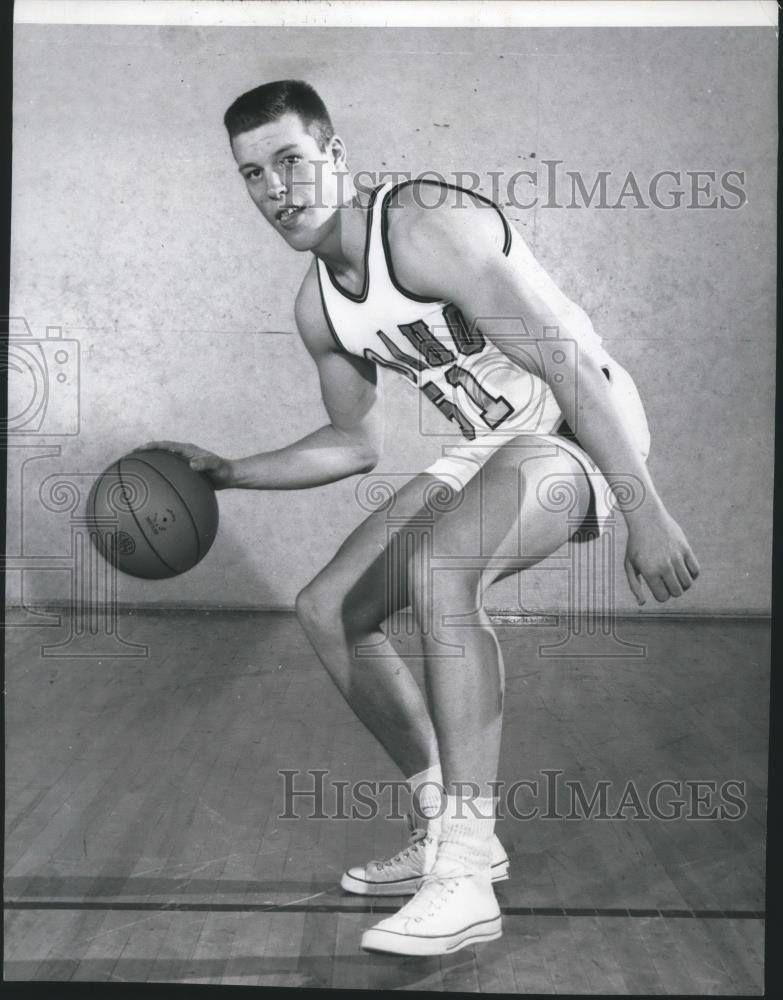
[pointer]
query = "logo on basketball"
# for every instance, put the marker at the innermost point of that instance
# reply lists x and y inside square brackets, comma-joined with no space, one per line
[124,543]
[158,522]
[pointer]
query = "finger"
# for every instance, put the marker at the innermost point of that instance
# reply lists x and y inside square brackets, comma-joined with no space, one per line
[157,446]
[671,582]
[658,587]
[178,447]
[186,451]
[683,575]
[634,583]
[692,563]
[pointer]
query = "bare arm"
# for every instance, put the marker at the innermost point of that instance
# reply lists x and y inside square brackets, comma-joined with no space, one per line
[457,255]
[350,443]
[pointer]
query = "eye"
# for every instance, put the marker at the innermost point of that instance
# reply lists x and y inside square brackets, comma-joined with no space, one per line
[253,174]
[291,160]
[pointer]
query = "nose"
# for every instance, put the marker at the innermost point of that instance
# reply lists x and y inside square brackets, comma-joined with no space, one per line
[275,187]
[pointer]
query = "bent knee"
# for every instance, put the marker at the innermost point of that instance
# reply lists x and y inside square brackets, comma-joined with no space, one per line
[304,605]
[313,608]
[325,611]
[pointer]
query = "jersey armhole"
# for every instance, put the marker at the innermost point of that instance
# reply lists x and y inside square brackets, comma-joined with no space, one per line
[507,231]
[338,343]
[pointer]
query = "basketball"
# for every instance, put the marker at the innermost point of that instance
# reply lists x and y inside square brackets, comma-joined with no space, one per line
[151,515]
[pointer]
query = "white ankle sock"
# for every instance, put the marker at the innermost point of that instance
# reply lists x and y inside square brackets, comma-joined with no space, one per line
[427,790]
[466,836]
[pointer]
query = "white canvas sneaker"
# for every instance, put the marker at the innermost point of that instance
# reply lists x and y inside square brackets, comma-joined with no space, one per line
[446,914]
[402,874]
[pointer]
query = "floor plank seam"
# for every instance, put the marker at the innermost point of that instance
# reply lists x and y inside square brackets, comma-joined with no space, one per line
[510,911]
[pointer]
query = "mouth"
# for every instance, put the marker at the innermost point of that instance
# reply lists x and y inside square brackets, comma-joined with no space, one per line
[288,216]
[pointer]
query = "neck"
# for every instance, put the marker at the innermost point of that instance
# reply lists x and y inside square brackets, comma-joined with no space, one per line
[342,248]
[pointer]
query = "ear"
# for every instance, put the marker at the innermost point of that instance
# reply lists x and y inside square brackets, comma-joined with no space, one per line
[337,151]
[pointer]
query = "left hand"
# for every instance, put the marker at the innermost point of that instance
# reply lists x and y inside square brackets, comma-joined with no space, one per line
[658,552]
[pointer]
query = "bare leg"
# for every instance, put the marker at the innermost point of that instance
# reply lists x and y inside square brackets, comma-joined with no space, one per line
[465,691]
[345,605]
[342,610]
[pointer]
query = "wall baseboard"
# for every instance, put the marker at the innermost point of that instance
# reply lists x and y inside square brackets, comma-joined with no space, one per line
[499,615]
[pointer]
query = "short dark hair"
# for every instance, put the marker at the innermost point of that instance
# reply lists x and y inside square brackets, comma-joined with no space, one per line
[271,101]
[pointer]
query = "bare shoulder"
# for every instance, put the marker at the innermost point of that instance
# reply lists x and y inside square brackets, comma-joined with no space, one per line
[430,224]
[309,312]
[432,211]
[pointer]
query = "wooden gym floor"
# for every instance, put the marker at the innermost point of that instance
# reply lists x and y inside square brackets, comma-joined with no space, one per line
[144,841]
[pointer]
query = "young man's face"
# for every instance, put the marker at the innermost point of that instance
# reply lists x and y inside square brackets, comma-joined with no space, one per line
[294,184]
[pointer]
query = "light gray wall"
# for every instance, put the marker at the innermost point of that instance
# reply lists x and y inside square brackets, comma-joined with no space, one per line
[132,231]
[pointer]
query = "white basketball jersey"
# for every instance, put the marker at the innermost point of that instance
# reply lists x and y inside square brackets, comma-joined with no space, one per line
[471,381]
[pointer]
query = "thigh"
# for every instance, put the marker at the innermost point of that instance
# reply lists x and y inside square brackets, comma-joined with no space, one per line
[524,504]
[362,583]
[517,509]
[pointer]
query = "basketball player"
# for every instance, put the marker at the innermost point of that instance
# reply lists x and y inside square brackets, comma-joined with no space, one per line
[442,291]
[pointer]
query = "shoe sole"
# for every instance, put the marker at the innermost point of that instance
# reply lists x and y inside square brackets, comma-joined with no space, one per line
[404,888]
[389,943]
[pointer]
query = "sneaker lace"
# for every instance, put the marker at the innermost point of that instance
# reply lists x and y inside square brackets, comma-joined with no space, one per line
[415,844]
[433,894]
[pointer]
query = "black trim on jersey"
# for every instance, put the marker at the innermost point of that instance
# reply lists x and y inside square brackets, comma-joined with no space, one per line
[327,317]
[385,236]
[361,297]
